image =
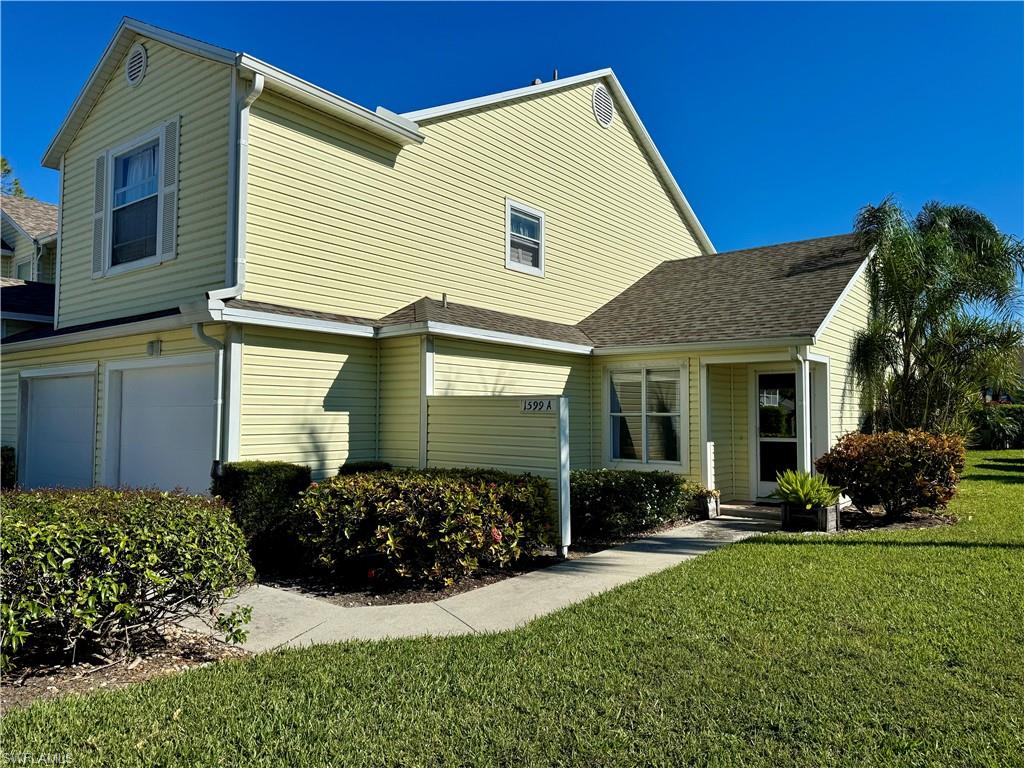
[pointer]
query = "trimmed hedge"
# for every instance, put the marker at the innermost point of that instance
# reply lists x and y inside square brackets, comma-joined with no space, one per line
[998,425]
[355,467]
[609,504]
[432,525]
[106,568]
[262,496]
[901,471]
[8,467]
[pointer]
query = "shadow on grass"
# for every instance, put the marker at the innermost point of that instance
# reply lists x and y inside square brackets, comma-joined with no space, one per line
[844,542]
[1008,477]
[1015,460]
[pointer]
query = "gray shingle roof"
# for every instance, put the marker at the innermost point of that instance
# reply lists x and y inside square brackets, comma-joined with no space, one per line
[432,310]
[772,292]
[37,218]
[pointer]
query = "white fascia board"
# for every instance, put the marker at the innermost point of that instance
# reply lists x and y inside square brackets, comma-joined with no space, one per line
[842,297]
[116,48]
[454,107]
[630,114]
[478,334]
[398,131]
[274,320]
[640,349]
[48,319]
[171,322]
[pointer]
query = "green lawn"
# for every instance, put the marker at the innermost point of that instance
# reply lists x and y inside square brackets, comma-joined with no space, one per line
[885,648]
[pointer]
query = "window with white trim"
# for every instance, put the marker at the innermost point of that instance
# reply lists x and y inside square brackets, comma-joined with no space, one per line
[644,413]
[24,270]
[524,241]
[135,204]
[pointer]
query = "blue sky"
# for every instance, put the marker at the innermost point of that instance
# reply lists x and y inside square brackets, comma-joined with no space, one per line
[778,120]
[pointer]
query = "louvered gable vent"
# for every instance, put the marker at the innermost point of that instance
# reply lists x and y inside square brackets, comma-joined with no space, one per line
[604,107]
[135,64]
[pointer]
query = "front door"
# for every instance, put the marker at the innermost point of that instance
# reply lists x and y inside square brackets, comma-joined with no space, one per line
[776,428]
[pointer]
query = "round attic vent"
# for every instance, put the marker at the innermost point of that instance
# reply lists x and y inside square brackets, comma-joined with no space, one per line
[135,64]
[604,107]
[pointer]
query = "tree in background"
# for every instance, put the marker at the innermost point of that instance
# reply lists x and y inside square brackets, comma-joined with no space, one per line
[945,296]
[9,183]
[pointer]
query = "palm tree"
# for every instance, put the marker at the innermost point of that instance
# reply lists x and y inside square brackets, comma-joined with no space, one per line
[945,297]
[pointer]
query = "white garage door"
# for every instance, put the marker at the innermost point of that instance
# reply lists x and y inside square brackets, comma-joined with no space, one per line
[167,420]
[60,429]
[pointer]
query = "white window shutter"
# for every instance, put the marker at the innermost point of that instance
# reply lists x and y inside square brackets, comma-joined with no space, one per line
[99,217]
[169,190]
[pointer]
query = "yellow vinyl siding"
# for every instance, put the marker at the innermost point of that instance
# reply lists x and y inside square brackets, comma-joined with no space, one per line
[341,222]
[836,342]
[24,248]
[308,398]
[176,342]
[729,428]
[47,265]
[176,83]
[400,388]
[7,266]
[467,368]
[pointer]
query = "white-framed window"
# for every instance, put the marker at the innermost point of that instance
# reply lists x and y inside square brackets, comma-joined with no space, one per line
[23,270]
[135,197]
[524,238]
[646,415]
[136,202]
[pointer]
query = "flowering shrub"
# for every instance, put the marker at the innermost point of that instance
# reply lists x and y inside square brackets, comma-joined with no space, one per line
[108,567]
[609,504]
[901,471]
[435,525]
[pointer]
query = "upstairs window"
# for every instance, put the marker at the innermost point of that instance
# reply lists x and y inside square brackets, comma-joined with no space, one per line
[134,210]
[645,409]
[524,244]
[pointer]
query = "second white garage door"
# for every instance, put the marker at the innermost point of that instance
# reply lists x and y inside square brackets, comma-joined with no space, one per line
[167,427]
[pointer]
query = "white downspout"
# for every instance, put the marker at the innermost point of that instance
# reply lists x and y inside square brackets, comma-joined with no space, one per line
[241,191]
[218,432]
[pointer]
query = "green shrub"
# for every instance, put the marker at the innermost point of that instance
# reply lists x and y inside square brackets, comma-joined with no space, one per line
[355,467]
[105,568]
[434,525]
[804,490]
[8,467]
[901,471]
[609,504]
[262,496]
[998,426]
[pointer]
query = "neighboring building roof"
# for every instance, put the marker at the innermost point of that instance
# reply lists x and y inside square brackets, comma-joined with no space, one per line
[18,297]
[45,333]
[382,122]
[427,310]
[628,112]
[38,220]
[779,291]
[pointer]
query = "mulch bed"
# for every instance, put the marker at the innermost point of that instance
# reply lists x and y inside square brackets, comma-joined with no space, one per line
[363,594]
[180,650]
[853,519]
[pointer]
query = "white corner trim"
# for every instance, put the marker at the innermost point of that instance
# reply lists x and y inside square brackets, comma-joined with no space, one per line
[235,349]
[629,113]
[511,204]
[78,369]
[842,297]
[426,390]
[60,246]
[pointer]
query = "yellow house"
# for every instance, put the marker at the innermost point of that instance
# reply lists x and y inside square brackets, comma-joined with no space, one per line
[28,256]
[252,267]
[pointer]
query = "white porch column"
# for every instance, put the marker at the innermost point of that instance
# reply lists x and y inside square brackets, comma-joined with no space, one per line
[803,414]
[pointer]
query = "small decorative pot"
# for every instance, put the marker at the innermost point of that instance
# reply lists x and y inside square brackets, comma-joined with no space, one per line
[709,507]
[798,518]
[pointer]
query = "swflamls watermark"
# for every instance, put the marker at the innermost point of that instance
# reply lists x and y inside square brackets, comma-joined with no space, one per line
[35,758]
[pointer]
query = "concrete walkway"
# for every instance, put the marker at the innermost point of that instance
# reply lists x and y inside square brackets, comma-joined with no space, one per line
[285,619]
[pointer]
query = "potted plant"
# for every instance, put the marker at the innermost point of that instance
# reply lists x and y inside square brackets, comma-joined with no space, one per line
[808,502]
[706,501]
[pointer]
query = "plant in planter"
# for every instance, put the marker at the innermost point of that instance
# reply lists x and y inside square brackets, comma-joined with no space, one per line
[808,502]
[706,501]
